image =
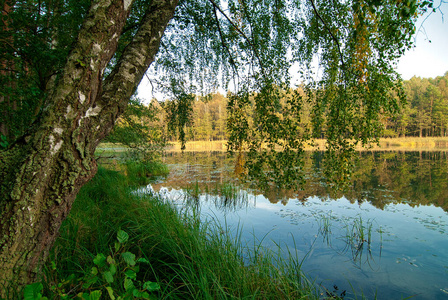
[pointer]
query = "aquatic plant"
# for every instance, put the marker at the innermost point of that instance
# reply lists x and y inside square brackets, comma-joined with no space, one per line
[358,240]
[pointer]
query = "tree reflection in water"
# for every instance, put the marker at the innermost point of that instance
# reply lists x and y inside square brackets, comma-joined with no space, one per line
[384,236]
[415,178]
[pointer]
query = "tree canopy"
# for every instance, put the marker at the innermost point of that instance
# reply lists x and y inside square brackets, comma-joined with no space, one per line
[345,51]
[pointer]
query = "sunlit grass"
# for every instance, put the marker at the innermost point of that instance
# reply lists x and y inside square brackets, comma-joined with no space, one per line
[401,143]
[187,258]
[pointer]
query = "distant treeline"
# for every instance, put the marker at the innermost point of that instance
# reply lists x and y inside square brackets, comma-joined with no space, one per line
[424,115]
[426,112]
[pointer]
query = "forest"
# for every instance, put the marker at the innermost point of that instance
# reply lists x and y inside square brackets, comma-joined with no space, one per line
[424,114]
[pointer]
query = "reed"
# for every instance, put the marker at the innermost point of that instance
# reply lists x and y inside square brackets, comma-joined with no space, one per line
[141,172]
[399,144]
[325,227]
[359,240]
[200,146]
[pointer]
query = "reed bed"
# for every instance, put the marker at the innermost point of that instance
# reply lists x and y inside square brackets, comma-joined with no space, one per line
[393,144]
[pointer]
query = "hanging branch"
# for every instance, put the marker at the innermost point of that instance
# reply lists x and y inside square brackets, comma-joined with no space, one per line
[221,36]
[329,31]
[216,6]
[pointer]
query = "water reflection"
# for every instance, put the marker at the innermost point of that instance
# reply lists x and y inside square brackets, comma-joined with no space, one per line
[386,237]
[415,178]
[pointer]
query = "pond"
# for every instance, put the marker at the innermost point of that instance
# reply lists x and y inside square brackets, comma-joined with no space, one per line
[387,237]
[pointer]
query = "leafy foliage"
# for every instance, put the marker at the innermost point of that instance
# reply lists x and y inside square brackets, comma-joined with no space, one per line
[119,266]
[179,115]
[248,46]
[3,142]
[139,129]
[345,49]
[36,39]
[290,122]
[424,114]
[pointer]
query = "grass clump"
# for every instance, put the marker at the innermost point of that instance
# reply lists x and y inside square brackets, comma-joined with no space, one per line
[140,172]
[119,245]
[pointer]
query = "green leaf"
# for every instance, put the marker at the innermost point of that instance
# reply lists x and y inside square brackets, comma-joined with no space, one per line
[136,269]
[90,281]
[108,276]
[129,258]
[143,260]
[113,269]
[95,295]
[33,291]
[80,63]
[117,246]
[100,260]
[128,284]
[94,271]
[151,286]
[130,274]
[110,260]
[110,292]
[139,294]
[122,236]
[68,280]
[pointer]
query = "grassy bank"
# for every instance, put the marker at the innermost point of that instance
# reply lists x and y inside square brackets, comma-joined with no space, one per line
[117,245]
[392,144]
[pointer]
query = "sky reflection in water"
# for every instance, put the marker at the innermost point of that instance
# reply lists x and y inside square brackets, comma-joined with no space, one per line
[395,249]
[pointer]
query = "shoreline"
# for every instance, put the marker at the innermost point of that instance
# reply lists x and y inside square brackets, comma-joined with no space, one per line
[386,144]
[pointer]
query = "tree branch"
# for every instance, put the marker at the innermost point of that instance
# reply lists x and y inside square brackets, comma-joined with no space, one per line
[119,86]
[221,36]
[242,34]
[329,31]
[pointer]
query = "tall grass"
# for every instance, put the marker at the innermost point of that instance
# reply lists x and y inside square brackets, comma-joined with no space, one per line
[225,196]
[186,258]
[139,172]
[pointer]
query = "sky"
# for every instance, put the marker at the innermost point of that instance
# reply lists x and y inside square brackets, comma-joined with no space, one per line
[428,59]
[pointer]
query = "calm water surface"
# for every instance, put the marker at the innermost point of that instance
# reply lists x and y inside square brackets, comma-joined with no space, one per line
[385,237]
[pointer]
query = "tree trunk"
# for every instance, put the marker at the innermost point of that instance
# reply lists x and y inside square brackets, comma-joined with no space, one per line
[5,67]
[43,171]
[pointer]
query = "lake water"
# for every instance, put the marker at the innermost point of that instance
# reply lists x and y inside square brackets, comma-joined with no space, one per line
[386,237]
